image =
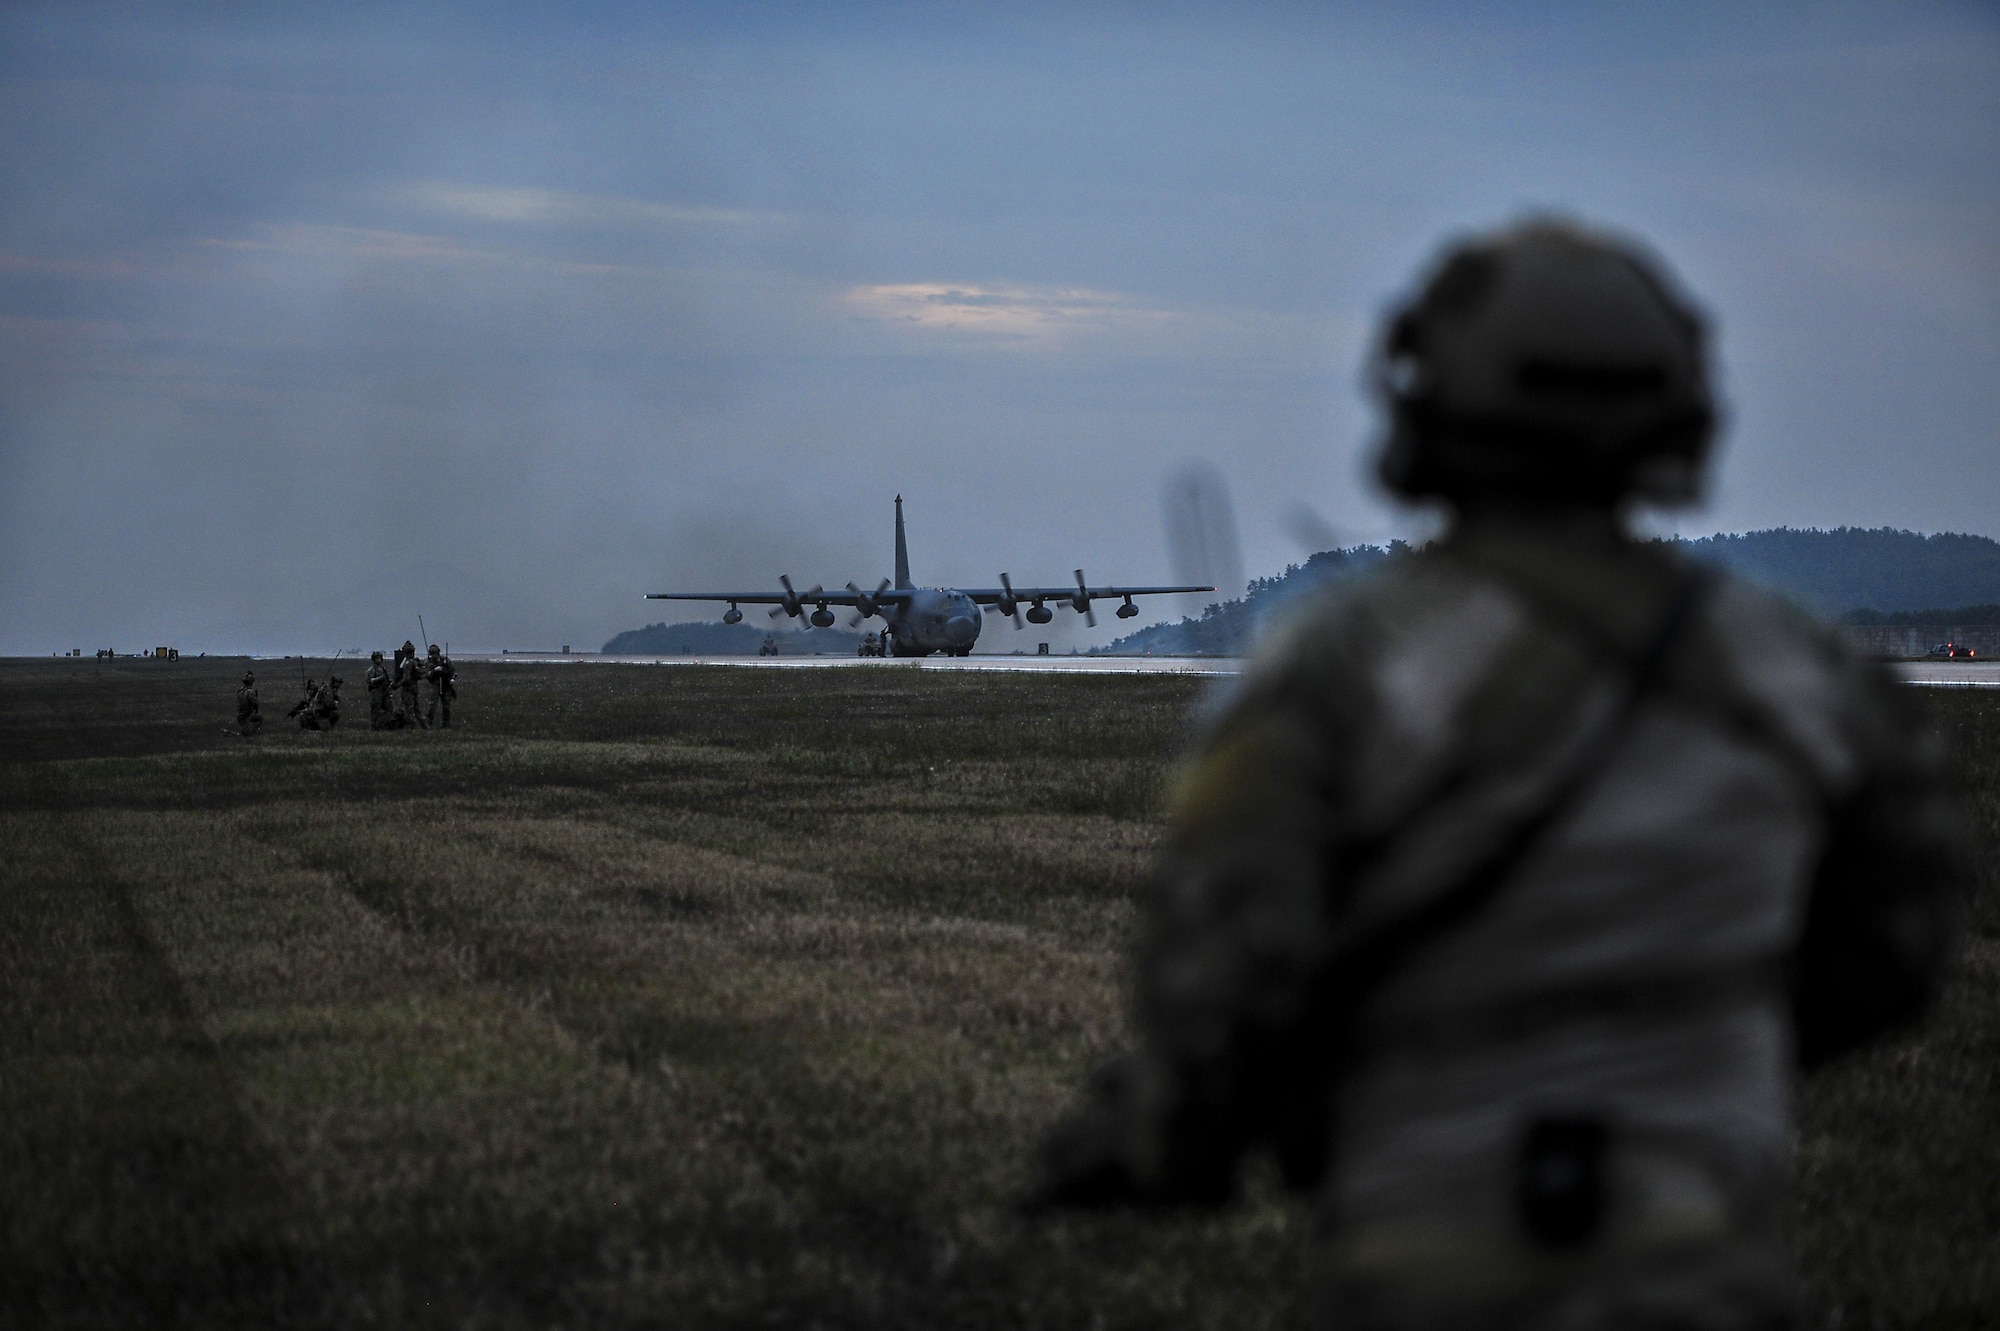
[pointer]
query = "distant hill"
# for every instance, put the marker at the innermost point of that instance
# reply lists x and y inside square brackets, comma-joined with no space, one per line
[1964,614]
[709,638]
[1856,568]
[1849,572]
[1226,627]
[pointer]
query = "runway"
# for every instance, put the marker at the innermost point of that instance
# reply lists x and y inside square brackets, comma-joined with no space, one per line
[1058,665]
[1925,674]
[1949,674]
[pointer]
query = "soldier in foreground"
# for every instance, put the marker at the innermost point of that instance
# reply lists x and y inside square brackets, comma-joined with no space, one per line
[249,717]
[1509,891]
[408,674]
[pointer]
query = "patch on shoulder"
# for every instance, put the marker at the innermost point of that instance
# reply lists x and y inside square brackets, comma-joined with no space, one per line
[1229,783]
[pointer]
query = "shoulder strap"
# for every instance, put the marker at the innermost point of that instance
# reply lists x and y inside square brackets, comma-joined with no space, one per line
[1357,969]
[1386,948]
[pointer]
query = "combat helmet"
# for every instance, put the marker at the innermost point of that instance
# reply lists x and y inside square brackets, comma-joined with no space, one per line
[435,650]
[374,656]
[1546,362]
[248,679]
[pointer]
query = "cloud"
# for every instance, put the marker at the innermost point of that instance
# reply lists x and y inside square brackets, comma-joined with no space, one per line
[1005,313]
[351,242]
[57,266]
[556,208]
[325,241]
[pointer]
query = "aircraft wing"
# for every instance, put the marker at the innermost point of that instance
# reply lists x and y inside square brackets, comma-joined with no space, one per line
[996,595]
[889,596]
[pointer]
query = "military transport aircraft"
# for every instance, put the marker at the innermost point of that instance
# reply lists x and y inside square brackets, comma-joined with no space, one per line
[923,620]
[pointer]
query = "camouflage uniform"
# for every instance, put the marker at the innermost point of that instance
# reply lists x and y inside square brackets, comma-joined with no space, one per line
[326,704]
[249,718]
[443,689]
[306,709]
[1568,1105]
[408,674]
[381,714]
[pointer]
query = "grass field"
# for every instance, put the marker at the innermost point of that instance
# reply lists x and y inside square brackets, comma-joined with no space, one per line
[685,997]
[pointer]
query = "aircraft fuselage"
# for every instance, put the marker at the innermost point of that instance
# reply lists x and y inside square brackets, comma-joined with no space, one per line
[933,620]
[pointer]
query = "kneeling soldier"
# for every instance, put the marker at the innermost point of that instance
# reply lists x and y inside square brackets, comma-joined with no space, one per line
[1510,891]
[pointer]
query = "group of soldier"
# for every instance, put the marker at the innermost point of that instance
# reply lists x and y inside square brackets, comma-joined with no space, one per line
[393,689]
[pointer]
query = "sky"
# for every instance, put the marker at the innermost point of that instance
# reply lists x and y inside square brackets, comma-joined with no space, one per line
[314,319]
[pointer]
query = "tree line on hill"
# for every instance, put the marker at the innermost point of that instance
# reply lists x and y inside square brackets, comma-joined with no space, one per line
[1860,575]
[710,638]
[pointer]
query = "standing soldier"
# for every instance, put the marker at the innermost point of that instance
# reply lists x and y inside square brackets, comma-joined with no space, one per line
[381,715]
[1505,896]
[249,719]
[408,673]
[443,688]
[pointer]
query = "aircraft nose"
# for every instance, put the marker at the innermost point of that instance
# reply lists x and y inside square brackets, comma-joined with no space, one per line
[960,630]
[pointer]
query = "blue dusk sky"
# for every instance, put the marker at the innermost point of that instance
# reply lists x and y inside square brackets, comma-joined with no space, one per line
[315,318]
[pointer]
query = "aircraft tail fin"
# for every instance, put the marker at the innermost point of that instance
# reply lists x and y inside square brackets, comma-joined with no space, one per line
[902,550]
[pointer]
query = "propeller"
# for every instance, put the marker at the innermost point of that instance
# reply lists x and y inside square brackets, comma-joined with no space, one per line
[790,605]
[865,603]
[1082,601]
[1007,605]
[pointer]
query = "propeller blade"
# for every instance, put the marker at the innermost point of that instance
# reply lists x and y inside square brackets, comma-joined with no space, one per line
[1083,600]
[1013,606]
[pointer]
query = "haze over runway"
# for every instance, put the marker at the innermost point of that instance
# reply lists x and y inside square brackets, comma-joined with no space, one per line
[313,320]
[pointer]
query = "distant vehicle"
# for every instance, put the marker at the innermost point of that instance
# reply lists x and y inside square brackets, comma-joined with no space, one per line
[1951,651]
[768,647]
[920,621]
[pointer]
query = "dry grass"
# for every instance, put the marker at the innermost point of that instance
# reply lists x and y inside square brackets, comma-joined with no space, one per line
[677,997]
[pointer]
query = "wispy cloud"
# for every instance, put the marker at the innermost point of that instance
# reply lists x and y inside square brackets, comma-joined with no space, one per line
[59,266]
[557,208]
[1002,312]
[348,242]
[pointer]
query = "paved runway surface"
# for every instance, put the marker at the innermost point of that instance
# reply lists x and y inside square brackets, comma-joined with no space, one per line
[1950,674]
[1076,665]
[1958,674]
